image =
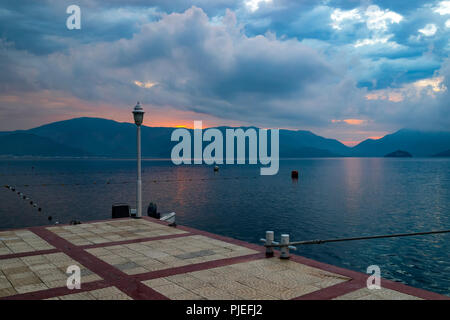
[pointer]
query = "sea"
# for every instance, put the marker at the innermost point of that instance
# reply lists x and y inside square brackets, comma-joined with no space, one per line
[332,198]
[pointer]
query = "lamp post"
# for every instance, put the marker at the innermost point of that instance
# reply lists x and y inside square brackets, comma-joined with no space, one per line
[138,114]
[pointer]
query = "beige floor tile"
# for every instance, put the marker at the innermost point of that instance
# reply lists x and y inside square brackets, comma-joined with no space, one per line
[187,296]
[31,288]
[163,254]
[376,294]
[35,273]
[102,232]
[20,241]
[5,292]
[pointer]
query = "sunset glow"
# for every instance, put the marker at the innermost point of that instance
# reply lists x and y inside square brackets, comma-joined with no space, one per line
[238,63]
[355,122]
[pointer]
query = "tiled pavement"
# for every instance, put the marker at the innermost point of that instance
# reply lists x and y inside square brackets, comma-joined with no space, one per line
[21,241]
[110,231]
[146,259]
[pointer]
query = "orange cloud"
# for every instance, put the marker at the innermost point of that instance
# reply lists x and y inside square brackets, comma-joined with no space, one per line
[50,105]
[145,85]
[354,122]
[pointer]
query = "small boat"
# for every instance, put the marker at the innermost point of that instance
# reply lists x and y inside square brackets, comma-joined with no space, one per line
[168,217]
[152,211]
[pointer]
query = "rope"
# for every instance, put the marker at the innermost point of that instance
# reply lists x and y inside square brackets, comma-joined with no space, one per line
[24,197]
[126,182]
[55,173]
[296,243]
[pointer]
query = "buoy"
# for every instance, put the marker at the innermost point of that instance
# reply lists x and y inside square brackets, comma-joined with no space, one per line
[294,174]
[152,211]
[216,168]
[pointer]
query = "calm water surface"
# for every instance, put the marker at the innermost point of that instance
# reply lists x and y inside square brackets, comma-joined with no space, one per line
[333,198]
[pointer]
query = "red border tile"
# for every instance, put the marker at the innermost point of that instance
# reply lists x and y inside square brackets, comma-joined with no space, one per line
[110,274]
[56,292]
[333,291]
[116,243]
[361,278]
[131,285]
[197,267]
[211,235]
[330,268]
[27,254]
[400,287]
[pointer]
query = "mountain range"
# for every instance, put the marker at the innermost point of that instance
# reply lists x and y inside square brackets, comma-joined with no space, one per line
[96,137]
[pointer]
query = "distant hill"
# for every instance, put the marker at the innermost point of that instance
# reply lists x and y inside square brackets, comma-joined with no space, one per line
[398,154]
[301,143]
[443,154]
[108,138]
[418,143]
[26,144]
[102,137]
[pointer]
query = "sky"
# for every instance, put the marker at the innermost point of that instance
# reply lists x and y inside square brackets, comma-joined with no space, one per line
[349,70]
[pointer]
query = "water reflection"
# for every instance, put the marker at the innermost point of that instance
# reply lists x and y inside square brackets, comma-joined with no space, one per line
[333,198]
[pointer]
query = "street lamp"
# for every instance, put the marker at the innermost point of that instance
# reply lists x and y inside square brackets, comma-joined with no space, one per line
[138,114]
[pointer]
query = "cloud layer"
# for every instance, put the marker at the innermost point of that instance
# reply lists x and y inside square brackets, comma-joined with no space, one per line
[342,69]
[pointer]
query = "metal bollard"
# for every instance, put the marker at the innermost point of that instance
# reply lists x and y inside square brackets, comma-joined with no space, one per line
[269,241]
[284,248]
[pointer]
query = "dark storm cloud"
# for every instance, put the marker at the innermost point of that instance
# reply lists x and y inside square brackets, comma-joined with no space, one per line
[285,63]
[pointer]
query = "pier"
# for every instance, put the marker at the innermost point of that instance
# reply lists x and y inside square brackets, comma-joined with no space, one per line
[124,259]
